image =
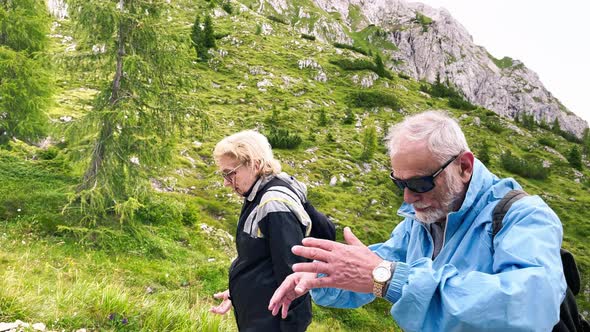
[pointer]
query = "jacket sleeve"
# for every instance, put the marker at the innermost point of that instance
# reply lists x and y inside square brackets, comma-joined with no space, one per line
[523,293]
[283,230]
[394,249]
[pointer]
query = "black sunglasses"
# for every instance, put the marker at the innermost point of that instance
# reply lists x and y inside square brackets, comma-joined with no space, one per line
[420,184]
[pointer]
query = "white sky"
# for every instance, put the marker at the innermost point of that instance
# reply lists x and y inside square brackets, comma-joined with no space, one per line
[552,38]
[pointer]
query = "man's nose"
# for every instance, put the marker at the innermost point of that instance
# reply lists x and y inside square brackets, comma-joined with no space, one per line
[410,197]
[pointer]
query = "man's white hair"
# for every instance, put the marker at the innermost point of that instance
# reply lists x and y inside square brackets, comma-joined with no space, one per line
[441,133]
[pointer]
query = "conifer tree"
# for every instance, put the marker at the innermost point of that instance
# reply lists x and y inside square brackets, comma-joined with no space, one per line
[556,128]
[208,33]
[575,158]
[198,40]
[586,141]
[484,154]
[25,87]
[140,110]
[369,143]
[323,118]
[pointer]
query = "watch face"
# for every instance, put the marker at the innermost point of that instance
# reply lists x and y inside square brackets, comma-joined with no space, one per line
[381,274]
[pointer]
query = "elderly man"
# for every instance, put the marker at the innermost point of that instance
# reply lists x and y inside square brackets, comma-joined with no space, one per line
[441,268]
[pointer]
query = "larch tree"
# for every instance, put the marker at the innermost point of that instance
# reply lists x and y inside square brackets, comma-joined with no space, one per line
[142,108]
[25,84]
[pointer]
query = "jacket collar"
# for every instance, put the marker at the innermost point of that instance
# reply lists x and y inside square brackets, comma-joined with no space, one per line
[258,185]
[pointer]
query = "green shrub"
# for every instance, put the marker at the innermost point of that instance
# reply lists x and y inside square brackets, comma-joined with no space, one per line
[191,214]
[352,48]
[423,20]
[547,142]
[359,64]
[323,118]
[461,104]
[226,5]
[574,157]
[308,37]
[403,75]
[348,117]
[494,125]
[370,99]
[49,153]
[161,211]
[484,154]
[280,138]
[532,169]
[278,19]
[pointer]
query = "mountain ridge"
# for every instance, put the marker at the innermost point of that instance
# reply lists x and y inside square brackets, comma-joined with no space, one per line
[440,47]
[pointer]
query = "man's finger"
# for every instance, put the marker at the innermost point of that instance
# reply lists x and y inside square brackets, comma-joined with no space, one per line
[320,243]
[351,239]
[311,253]
[315,267]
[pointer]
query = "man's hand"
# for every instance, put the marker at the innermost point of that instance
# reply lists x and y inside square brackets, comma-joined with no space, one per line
[347,266]
[224,306]
[287,292]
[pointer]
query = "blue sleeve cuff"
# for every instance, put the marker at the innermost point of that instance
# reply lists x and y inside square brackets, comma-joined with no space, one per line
[399,279]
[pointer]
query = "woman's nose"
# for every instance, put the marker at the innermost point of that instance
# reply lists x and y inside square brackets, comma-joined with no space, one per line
[227,182]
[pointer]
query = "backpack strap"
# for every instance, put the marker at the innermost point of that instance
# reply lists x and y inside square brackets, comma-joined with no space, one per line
[502,208]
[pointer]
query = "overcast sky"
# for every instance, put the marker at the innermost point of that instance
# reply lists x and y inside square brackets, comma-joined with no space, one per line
[550,37]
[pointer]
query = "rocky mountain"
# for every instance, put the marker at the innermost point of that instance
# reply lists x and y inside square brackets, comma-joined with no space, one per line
[429,44]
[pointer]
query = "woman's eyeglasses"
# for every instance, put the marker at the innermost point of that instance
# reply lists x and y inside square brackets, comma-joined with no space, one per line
[420,184]
[228,175]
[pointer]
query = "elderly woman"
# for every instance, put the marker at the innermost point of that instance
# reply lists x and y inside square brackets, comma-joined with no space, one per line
[269,225]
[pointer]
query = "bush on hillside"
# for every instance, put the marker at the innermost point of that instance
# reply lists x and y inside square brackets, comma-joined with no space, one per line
[494,125]
[352,48]
[161,211]
[547,142]
[484,154]
[461,104]
[278,19]
[574,157]
[308,37]
[403,76]
[226,5]
[358,64]
[348,117]
[371,99]
[280,138]
[532,169]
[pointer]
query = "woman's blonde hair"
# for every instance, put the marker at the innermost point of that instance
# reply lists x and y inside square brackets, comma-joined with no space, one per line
[249,147]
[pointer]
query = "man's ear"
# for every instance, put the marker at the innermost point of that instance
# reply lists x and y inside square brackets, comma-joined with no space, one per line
[466,162]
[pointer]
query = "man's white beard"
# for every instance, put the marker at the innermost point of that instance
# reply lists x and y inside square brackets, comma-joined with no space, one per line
[448,201]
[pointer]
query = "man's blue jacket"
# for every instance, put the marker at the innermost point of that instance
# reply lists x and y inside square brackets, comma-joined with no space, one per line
[515,283]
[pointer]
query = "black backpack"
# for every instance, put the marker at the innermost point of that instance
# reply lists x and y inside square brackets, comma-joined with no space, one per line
[569,317]
[321,226]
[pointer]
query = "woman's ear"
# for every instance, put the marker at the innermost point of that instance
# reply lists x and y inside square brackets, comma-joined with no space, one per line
[258,167]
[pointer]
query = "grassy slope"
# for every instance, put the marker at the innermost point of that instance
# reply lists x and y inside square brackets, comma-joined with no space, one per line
[159,273]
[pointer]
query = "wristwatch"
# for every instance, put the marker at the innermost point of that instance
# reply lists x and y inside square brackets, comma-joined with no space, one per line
[381,276]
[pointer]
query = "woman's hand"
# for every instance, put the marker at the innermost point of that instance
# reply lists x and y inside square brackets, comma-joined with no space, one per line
[225,304]
[287,292]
